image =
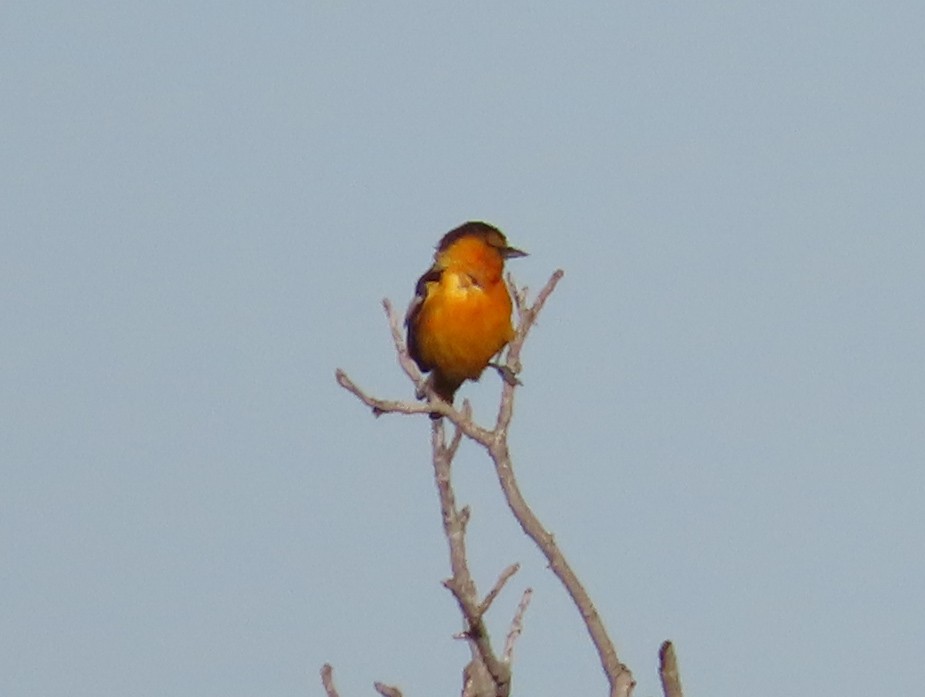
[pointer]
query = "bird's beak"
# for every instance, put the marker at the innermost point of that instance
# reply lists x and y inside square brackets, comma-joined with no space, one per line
[512,253]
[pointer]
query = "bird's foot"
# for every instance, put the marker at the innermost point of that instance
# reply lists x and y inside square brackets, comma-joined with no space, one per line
[506,374]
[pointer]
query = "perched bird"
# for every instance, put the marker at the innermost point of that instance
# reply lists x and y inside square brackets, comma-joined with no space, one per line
[461,314]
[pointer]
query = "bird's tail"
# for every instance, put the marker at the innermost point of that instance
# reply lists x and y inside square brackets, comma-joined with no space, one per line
[443,387]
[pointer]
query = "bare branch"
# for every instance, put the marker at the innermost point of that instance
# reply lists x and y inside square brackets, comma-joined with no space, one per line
[454,520]
[526,316]
[387,690]
[668,670]
[519,295]
[517,626]
[327,679]
[499,584]
[461,419]
[461,584]
[458,432]
[383,406]
[404,357]
[617,673]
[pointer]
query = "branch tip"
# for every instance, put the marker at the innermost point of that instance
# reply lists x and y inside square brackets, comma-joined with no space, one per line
[517,626]
[387,690]
[327,680]
[499,584]
[668,670]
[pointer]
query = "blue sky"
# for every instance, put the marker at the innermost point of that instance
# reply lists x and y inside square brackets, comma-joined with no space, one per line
[722,411]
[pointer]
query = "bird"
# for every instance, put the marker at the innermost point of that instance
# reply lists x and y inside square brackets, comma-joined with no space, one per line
[460,317]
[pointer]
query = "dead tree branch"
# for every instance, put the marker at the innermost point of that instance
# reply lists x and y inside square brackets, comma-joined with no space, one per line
[499,584]
[461,584]
[517,625]
[668,671]
[487,675]
[386,690]
[327,679]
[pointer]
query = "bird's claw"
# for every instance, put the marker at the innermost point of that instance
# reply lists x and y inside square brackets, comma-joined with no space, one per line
[506,374]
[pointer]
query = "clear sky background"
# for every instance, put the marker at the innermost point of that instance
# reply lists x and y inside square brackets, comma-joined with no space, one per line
[723,411]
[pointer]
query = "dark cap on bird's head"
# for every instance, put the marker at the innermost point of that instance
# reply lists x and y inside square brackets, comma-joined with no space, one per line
[476,228]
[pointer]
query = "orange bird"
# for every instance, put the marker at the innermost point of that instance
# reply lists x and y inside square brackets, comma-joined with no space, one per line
[461,314]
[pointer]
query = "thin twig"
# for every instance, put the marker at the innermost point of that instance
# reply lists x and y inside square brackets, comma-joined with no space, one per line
[383,406]
[404,357]
[526,316]
[387,690]
[327,679]
[458,432]
[499,584]
[461,419]
[518,294]
[517,626]
[668,671]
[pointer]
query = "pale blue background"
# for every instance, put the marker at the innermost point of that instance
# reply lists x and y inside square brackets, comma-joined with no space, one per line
[722,417]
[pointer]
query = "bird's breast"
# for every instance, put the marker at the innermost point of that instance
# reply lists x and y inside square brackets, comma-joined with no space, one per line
[463,324]
[460,286]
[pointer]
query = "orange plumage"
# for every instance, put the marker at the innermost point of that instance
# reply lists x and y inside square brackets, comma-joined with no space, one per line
[461,315]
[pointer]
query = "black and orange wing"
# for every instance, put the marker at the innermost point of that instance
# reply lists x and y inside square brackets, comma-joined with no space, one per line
[433,275]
